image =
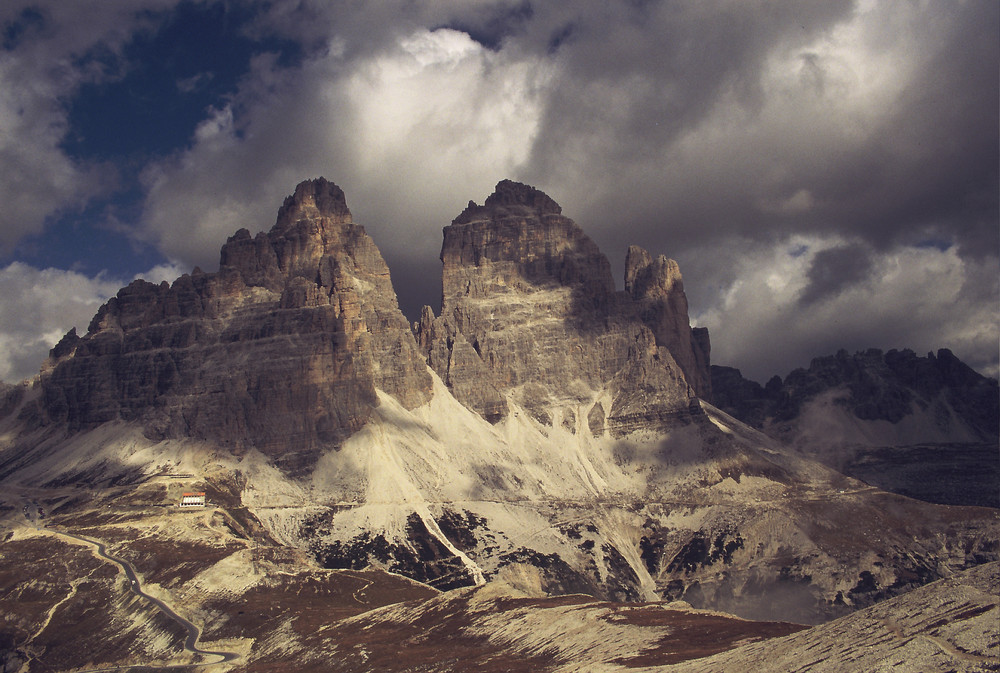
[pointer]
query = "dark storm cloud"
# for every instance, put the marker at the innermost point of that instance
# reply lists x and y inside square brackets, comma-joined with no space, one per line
[667,63]
[940,151]
[929,168]
[636,78]
[650,91]
[835,269]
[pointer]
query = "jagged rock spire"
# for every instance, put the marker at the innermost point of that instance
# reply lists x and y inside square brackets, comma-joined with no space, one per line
[519,238]
[657,288]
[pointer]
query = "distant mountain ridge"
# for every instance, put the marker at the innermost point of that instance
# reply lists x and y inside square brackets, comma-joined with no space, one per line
[885,386]
[927,427]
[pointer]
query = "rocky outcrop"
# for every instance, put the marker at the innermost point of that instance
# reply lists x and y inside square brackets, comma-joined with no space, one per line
[281,350]
[657,288]
[742,398]
[530,315]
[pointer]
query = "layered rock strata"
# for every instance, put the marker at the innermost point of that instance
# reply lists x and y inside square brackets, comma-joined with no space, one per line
[281,350]
[530,315]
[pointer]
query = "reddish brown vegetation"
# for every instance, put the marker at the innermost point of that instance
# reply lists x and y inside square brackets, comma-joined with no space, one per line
[696,635]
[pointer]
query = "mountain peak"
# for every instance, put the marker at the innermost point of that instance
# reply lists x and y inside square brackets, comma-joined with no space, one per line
[513,199]
[316,198]
[510,193]
[649,278]
[312,223]
[292,383]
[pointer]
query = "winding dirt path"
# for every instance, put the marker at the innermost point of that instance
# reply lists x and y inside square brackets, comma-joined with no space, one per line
[193,631]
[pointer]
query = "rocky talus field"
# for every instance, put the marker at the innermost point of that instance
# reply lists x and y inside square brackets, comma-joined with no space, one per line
[545,473]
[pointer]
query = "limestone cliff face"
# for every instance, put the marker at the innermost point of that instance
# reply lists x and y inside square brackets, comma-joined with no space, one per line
[530,314]
[281,350]
[296,349]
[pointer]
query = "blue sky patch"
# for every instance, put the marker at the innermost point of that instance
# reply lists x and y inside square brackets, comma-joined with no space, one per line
[171,77]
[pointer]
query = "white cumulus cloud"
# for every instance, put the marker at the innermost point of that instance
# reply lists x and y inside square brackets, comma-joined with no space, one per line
[411,133]
[920,298]
[40,306]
